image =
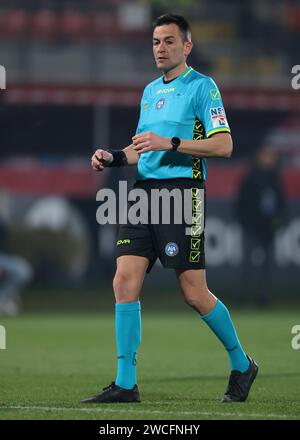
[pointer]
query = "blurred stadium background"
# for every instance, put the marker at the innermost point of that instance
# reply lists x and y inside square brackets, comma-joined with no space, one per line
[75,71]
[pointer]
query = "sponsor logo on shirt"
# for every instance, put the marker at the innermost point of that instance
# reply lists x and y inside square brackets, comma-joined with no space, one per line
[218,117]
[166,90]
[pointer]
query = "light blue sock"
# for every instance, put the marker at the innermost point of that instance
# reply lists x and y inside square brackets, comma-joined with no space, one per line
[128,336]
[219,321]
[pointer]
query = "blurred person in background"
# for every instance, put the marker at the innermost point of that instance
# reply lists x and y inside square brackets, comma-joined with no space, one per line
[15,273]
[182,121]
[260,211]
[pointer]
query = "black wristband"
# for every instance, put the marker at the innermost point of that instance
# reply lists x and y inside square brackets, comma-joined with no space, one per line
[119,158]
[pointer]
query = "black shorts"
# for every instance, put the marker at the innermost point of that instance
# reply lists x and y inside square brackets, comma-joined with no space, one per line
[176,246]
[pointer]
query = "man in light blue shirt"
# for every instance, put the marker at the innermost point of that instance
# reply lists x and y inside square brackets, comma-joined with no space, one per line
[182,122]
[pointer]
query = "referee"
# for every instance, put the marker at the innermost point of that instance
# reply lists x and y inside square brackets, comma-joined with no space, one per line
[182,121]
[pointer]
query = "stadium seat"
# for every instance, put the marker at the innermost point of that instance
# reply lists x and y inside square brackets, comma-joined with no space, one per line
[13,23]
[74,25]
[43,24]
[104,24]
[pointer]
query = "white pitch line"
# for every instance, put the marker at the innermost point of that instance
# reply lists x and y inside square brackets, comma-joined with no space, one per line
[110,410]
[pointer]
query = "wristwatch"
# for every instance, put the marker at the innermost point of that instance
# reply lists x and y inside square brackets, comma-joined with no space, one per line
[175,142]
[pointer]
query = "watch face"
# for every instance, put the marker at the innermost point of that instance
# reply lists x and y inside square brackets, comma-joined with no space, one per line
[175,142]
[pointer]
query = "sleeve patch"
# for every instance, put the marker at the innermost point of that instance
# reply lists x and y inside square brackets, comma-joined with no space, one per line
[214,94]
[218,117]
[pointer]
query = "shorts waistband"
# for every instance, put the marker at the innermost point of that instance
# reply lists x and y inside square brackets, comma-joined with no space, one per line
[181,182]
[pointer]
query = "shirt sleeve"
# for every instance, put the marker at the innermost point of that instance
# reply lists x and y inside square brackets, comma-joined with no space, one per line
[210,109]
[143,106]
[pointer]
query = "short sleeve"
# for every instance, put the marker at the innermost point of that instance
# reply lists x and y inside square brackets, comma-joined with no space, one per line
[210,109]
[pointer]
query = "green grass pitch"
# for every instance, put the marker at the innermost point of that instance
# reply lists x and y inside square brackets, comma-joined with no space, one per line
[54,360]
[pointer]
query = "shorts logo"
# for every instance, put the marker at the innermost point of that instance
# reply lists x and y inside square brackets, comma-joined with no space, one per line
[160,103]
[171,249]
[126,241]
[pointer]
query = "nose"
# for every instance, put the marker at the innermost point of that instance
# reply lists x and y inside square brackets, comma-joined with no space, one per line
[161,47]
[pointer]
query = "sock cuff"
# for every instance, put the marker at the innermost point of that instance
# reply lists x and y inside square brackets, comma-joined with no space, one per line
[128,307]
[214,312]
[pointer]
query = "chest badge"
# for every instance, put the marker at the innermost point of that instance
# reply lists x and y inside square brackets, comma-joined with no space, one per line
[160,103]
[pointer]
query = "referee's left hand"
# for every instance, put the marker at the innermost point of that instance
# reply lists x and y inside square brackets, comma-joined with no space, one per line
[149,141]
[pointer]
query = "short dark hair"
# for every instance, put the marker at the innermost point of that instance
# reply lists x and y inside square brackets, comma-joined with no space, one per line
[180,21]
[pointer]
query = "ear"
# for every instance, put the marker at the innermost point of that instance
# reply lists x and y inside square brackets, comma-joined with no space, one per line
[188,46]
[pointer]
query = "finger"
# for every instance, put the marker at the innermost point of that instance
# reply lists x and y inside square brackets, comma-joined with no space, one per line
[95,163]
[141,145]
[144,150]
[99,159]
[98,168]
[144,144]
[136,136]
[136,147]
[139,140]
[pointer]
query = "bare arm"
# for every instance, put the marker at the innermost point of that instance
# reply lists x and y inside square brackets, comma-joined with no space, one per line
[218,145]
[131,154]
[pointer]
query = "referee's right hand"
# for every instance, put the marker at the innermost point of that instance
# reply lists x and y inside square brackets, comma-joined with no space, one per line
[101,159]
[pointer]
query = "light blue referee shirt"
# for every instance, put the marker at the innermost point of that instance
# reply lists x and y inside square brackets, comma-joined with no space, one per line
[189,107]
